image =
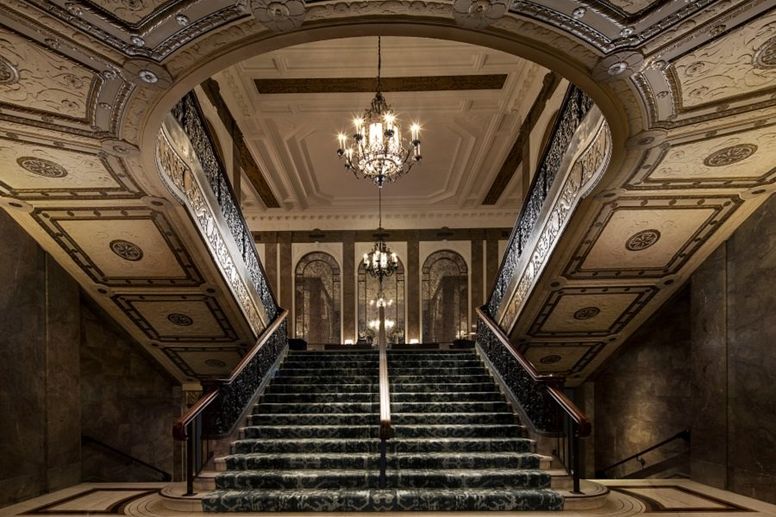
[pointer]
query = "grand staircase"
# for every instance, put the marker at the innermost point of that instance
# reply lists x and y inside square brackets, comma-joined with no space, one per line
[312,442]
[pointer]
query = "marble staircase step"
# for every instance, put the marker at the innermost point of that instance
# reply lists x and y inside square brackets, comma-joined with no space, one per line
[465,460]
[439,378]
[453,406]
[447,418]
[401,445]
[300,460]
[318,419]
[315,398]
[305,407]
[458,431]
[363,500]
[306,445]
[325,379]
[311,431]
[442,396]
[443,387]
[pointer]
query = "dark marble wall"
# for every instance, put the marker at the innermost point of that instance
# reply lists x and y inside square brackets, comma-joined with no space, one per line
[128,402]
[734,360]
[642,393]
[39,381]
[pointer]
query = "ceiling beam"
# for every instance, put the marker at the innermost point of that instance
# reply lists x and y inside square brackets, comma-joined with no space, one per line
[389,84]
[515,156]
[244,156]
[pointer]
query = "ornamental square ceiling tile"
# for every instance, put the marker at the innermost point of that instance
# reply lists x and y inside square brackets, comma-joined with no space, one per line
[634,6]
[34,78]
[567,358]
[635,238]
[204,362]
[121,246]
[739,64]
[737,160]
[131,11]
[177,318]
[594,311]
[32,171]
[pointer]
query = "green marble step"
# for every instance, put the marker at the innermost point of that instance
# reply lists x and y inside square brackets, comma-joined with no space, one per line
[453,418]
[306,445]
[430,371]
[333,356]
[444,387]
[312,363]
[365,500]
[396,445]
[324,379]
[464,460]
[296,479]
[434,355]
[304,407]
[443,396]
[301,460]
[314,419]
[458,430]
[330,371]
[314,398]
[368,478]
[369,460]
[449,406]
[438,379]
[324,388]
[311,431]
[431,363]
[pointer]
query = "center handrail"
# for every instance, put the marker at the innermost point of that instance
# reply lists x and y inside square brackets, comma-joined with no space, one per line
[386,428]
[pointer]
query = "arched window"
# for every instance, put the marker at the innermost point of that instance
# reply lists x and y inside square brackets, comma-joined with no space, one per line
[445,297]
[317,301]
[393,294]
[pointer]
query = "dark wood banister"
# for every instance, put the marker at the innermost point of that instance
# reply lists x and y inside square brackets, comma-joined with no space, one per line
[684,435]
[553,383]
[179,429]
[386,429]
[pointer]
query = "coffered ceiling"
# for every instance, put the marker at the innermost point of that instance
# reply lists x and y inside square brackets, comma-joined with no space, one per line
[471,101]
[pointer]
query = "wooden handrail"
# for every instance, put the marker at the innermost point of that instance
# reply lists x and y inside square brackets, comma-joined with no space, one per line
[180,426]
[553,383]
[684,435]
[386,429]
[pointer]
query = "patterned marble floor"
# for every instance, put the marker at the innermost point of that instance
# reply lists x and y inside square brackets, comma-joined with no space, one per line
[667,498]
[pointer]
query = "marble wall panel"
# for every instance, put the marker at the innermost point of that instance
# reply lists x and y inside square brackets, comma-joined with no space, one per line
[128,402]
[642,393]
[39,403]
[708,459]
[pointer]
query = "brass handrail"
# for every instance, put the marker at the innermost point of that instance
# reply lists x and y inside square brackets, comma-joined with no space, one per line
[552,382]
[386,430]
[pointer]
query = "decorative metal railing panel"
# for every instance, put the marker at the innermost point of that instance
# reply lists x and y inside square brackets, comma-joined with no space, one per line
[533,397]
[576,106]
[189,115]
[220,417]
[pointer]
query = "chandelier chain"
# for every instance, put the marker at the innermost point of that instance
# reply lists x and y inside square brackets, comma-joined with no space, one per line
[379,64]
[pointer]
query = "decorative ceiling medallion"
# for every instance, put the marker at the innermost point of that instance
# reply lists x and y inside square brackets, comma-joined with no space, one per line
[587,313]
[765,57]
[41,167]
[176,318]
[8,73]
[550,359]
[730,155]
[215,363]
[478,14]
[126,250]
[278,15]
[642,240]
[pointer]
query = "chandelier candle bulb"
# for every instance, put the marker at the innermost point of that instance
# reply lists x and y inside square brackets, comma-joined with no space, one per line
[378,152]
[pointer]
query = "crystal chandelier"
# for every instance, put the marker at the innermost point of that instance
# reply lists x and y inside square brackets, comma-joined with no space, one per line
[376,151]
[381,262]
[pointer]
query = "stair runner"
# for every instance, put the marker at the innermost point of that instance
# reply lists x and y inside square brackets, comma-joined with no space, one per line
[312,442]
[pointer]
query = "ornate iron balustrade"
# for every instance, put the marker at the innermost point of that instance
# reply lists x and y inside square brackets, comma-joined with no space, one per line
[575,107]
[189,115]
